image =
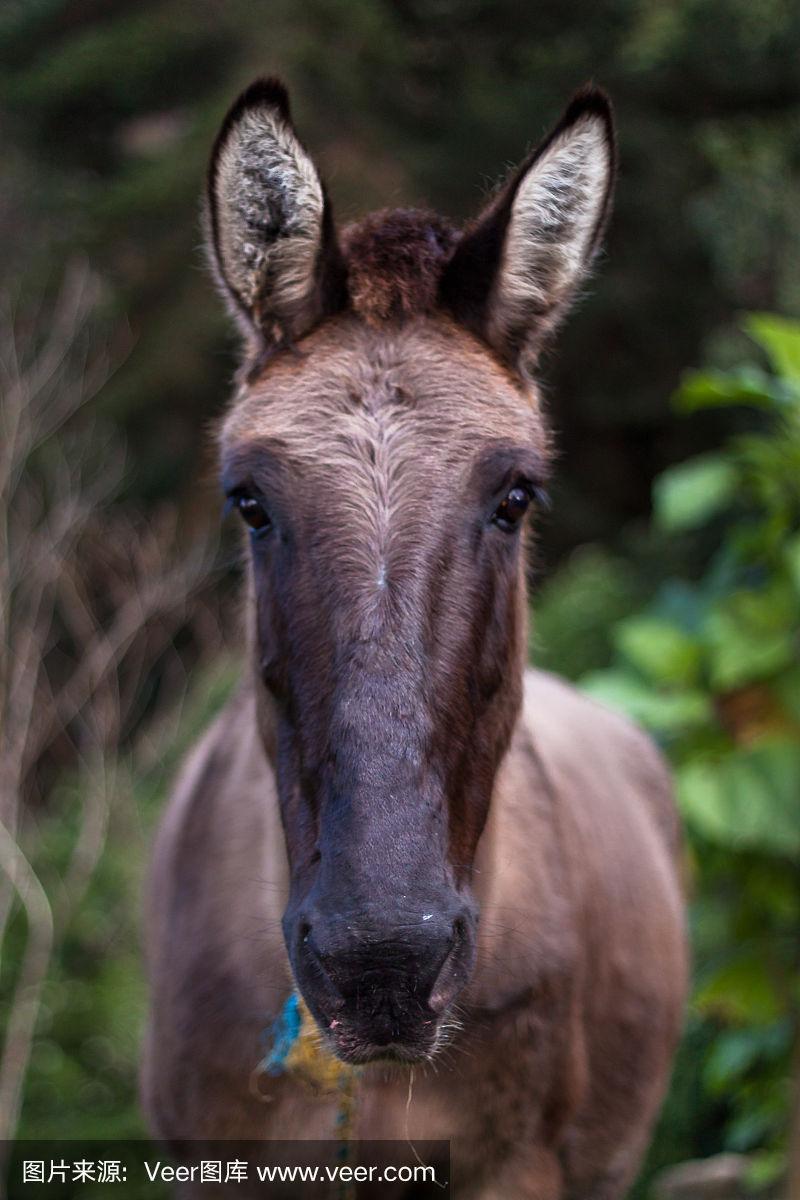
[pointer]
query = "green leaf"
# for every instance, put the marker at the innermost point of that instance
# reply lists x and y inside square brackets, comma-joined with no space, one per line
[659,649]
[791,554]
[747,385]
[766,1168]
[769,608]
[732,1055]
[577,609]
[779,338]
[687,495]
[748,1128]
[787,689]
[742,990]
[662,712]
[748,799]
[749,637]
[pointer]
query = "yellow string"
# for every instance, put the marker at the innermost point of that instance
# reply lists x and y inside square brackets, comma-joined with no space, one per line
[310,1060]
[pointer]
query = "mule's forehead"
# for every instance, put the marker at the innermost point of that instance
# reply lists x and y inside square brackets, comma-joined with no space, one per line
[425,392]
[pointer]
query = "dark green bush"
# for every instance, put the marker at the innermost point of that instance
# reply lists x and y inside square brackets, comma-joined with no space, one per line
[712,667]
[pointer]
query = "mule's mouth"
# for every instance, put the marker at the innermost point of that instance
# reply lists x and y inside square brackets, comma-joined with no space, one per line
[385,1000]
[358,1045]
[391,1031]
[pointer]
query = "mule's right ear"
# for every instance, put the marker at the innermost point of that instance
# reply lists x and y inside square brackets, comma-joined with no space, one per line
[270,228]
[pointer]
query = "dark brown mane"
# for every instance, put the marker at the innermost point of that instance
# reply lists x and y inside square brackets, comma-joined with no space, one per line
[395,259]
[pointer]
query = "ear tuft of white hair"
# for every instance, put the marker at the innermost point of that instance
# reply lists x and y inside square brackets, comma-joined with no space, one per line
[517,270]
[270,229]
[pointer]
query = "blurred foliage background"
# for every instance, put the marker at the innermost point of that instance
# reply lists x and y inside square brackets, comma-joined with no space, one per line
[669,568]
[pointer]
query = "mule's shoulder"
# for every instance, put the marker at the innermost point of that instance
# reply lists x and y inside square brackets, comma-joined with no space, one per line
[225,765]
[549,693]
[230,738]
[600,749]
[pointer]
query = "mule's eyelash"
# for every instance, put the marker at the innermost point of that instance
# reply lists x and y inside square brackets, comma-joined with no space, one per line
[537,491]
[237,492]
[540,496]
[252,509]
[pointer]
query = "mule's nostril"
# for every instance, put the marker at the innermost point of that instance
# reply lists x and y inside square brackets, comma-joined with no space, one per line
[455,969]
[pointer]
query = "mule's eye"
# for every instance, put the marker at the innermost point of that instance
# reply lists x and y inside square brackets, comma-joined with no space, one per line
[512,509]
[253,512]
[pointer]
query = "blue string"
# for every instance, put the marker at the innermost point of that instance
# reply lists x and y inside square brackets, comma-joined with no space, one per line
[284,1033]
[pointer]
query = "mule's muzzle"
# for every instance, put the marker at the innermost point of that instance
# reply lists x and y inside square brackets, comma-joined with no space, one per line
[379,989]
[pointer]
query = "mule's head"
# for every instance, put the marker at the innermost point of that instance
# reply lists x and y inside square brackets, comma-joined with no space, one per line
[386,447]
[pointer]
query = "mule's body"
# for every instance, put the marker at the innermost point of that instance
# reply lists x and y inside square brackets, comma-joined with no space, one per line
[467,872]
[550,1086]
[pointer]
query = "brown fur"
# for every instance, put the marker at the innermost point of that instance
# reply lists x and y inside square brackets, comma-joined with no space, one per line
[395,260]
[388,742]
[552,1084]
[576,1000]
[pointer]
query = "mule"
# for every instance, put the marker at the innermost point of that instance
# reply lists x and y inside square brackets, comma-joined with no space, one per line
[468,870]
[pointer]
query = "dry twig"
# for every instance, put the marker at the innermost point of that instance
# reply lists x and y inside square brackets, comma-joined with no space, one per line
[90,600]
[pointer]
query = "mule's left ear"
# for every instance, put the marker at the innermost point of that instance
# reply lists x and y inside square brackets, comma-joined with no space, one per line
[271,233]
[515,272]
